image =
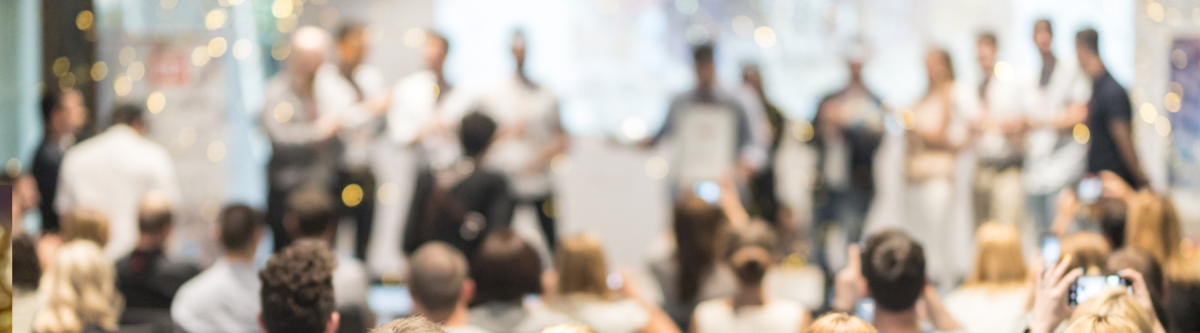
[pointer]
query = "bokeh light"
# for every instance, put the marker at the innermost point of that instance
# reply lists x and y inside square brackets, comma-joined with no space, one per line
[243,49]
[764,37]
[1148,112]
[634,128]
[388,193]
[135,71]
[1162,126]
[281,8]
[215,19]
[216,47]
[61,66]
[280,51]
[687,7]
[99,71]
[1081,133]
[1155,11]
[283,112]
[216,151]
[414,37]
[156,102]
[84,20]
[122,85]
[802,131]
[352,195]
[200,56]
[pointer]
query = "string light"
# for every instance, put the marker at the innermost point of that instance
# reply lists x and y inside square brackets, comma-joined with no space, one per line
[764,37]
[352,195]
[156,102]
[61,66]
[135,71]
[122,85]
[215,19]
[216,151]
[200,56]
[83,21]
[99,71]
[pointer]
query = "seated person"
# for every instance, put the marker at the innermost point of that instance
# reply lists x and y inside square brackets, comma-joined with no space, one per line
[147,277]
[505,269]
[752,251]
[224,298]
[460,206]
[297,290]
[690,269]
[312,216]
[996,294]
[1089,251]
[440,286]
[892,267]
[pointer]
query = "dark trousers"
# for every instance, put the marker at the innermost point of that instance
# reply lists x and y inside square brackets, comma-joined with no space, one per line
[546,213]
[363,213]
[845,208]
[276,208]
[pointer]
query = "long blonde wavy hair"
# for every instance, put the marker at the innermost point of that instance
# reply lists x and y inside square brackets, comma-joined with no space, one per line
[1153,226]
[78,290]
[999,261]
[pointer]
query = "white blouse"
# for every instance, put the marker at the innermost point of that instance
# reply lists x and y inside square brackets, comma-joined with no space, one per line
[719,316]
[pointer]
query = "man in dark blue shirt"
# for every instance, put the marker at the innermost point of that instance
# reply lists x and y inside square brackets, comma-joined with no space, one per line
[63,114]
[1109,116]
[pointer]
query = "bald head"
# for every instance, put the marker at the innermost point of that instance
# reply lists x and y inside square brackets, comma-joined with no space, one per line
[154,214]
[309,45]
[438,273]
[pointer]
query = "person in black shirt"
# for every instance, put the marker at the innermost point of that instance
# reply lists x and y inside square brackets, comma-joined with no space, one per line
[1109,116]
[147,277]
[62,115]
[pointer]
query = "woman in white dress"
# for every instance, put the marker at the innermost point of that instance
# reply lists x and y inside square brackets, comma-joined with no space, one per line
[996,292]
[752,253]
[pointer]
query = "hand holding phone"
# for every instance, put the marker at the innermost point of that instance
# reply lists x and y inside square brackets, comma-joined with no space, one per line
[1085,287]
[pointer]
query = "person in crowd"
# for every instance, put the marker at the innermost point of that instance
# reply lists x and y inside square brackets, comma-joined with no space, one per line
[77,293]
[1057,103]
[1109,117]
[999,139]
[767,124]
[1151,271]
[752,251]
[530,136]
[848,130]
[1116,303]
[63,114]
[1103,324]
[304,151]
[461,206]
[994,297]
[1089,251]
[112,172]
[147,277]
[582,294]
[312,216]
[695,271]
[1154,227]
[414,324]
[1050,310]
[707,95]
[86,224]
[934,138]
[356,91]
[25,198]
[837,322]
[892,268]
[441,287]
[505,270]
[224,298]
[26,276]
[297,290]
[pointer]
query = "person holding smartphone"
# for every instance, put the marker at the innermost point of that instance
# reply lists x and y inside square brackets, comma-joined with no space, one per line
[1051,304]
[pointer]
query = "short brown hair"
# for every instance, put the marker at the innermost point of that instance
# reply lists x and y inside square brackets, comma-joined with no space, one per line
[239,224]
[297,289]
[313,210]
[998,256]
[414,324]
[582,267]
[505,268]
[86,223]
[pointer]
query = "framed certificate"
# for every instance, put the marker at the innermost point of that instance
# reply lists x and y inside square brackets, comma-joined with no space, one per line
[707,136]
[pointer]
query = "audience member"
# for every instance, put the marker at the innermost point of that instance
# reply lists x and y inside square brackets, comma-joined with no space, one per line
[1103,324]
[694,271]
[440,286]
[297,290]
[752,251]
[147,278]
[995,295]
[26,273]
[225,297]
[86,224]
[63,114]
[1050,309]
[583,295]
[1089,251]
[112,172]
[505,270]
[312,217]
[892,268]
[1109,119]
[838,322]
[1151,271]
[460,206]
[77,292]
[414,324]
[302,152]
[1116,302]
[1154,227]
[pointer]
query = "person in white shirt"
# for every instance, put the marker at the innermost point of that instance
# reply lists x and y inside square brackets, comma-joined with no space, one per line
[441,288]
[1053,159]
[224,298]
[112,172]
[999,133]
[356,91]
[530,135]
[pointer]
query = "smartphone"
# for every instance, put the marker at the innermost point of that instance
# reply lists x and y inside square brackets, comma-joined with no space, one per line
[707,190]
[1089,189]
[1087,286]
[615,281]
[1051,250]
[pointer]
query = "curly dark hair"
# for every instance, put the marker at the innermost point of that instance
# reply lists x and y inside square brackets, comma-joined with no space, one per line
[297,289]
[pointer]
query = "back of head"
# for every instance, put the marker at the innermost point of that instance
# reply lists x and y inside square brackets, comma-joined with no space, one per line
[1144,263]
[476,133]
[86,224]
[1153,226]
[127,114]
[698,227]
[26,270]
[894,267]
[837,322]
[1088,40]
[1111,213]
[78,290]
[582,268]
[51,102]
[154,214]
[414,324]
[1087,249]
[312,210]
[239,225]
[702,54]
[297,289]
[436,275]
[987,37]
[1102,324]
[505,268]
[998,257]
[1115,302]
[751,250]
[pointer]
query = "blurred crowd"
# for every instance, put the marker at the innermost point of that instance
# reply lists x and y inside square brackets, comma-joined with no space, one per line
[1050,155]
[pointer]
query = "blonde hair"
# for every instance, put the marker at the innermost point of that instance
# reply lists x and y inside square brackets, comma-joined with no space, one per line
[998,257]
[1115,302]
[1102,324]
[78,291]
[568,328]
[839,323]
[1153,226]
[86,224]
[581,266]
[1088,250]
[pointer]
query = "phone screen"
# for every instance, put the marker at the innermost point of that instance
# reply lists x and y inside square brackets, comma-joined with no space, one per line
[1090,189]
[1051,250]
[1087,286]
